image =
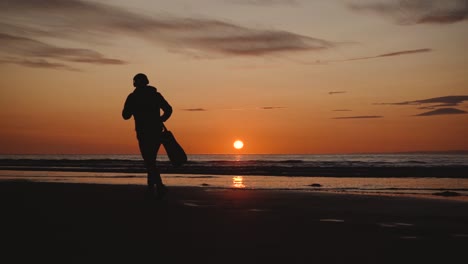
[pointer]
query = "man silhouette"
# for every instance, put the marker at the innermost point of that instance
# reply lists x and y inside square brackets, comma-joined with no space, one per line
[144,104]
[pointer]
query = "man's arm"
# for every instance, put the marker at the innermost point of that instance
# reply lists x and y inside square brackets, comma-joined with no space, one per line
[166,108]
[127,111]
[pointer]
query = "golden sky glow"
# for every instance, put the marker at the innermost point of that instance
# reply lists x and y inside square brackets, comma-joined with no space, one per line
[285,76]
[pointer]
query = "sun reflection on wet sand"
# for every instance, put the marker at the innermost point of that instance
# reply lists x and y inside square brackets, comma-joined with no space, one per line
[387,186]
[238,182]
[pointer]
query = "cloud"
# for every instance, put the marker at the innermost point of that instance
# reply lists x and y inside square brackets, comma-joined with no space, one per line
[336,92]
[403,52]
[358,117]
[341,110]
[436,106]
[235,109]
[88,21]
[413,12]
[453,100]
[434,103]
[391,54]
[272,107]
[30,48]
[264,2]
[194,109]
[38,63]
[443,111]
[247,42]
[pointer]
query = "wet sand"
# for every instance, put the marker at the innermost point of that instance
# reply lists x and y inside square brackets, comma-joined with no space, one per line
[87,223]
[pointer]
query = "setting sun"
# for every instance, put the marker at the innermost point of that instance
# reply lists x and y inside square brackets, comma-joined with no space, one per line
[238,144]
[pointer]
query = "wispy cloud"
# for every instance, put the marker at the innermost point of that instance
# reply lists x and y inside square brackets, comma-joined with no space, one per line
[235,109]
[357,117]
[391,54]
[272,107]
[37,63]
[443,111]
[412,12]
[194,109]
[336,92]
[438,105]
[29,48]
[452,100]
[435,103]
[264,2]
[90,21]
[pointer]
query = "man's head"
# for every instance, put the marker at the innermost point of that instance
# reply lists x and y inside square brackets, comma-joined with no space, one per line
[140,80]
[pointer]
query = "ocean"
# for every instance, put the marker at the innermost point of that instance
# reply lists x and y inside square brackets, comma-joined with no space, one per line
[369,173]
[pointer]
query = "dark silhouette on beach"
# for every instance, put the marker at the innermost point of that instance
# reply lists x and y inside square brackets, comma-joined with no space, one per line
[144,104]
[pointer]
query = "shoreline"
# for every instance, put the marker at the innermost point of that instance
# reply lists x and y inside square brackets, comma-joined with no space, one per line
[93,223]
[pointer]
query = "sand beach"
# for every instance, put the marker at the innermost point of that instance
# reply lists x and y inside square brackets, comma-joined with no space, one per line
[97,223]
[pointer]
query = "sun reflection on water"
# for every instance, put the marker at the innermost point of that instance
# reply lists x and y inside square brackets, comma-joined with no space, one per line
[238,182]
[238,158]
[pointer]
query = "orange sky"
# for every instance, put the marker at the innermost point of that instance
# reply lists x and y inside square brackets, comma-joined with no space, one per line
[283,76]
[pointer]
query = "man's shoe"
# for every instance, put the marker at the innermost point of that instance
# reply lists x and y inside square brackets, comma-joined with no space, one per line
[161,191]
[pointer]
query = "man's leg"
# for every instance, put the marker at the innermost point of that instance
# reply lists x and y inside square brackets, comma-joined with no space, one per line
[146,145]
[161,188]
[149,147]
[154,175]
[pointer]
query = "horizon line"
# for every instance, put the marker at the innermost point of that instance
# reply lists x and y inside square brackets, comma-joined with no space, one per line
[456,151]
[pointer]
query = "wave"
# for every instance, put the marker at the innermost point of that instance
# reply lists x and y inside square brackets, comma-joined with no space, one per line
[351,165]
[288,167]
[291,161]
[415,162]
